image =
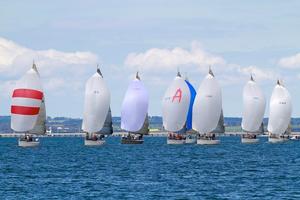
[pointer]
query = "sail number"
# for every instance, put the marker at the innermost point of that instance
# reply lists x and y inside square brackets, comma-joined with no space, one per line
[282,102]
[177,95]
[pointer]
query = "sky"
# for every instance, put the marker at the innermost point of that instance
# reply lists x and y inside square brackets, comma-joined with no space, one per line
[67,39]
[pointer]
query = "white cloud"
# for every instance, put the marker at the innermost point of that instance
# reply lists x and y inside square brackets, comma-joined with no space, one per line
[292,62]
[15,59]
[196,59]
[60,71]
[161,60]
[258,73]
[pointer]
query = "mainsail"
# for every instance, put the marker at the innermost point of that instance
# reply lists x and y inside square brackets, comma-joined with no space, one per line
[175,105]
[220,127]
[96,103]
[135,106]
[107,127]
[208,105]
[40,125]
[26,101]
[254,104]
[145,128]
[261,129]
[280,110]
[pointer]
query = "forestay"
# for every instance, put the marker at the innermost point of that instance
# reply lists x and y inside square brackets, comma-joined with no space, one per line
[175,105]
[134,107]
[96,104]
[254,104]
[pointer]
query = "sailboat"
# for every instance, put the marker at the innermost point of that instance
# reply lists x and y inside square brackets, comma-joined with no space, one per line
[134,113]
[175,108]
[96,108]
[27,108]
[280,114]
[254,104]
[207,110]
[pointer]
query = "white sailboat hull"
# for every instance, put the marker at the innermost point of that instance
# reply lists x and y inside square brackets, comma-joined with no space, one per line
[277,140]
[192,140]
[22,143]
[93,142]
[295,137]
[207,142]
[249,140]
[171,141]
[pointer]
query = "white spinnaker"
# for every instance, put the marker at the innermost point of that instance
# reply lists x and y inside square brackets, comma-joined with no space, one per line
[175,105]
[26,102]
[254,104]
[280,110]
[134,106]
[96,104]
[207,106]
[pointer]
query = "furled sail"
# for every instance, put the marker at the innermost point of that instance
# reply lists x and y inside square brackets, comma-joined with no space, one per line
[26,101]
[254,105]
[175,105]
[280,110]
[135,106]
[96,103]
[107,127]
[40,125]
[220,127]
[208,105]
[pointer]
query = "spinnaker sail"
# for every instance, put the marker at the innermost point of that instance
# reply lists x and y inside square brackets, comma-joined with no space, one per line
[26,101]
[208,105]
[96,104]
[135,106]
[175,105]
[280,110]
[254,104]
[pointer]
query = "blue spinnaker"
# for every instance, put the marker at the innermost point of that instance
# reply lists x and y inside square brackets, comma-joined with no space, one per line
[190,113]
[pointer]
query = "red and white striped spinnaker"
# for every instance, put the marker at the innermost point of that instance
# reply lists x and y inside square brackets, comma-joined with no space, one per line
[26,101]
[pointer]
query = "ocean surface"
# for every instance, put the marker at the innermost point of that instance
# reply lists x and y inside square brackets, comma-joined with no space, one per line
[62,168]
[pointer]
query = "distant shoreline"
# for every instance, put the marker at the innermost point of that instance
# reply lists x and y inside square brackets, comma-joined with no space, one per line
[119,134]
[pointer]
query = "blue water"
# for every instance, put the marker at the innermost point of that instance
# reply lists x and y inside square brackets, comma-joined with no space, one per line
[62,168]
